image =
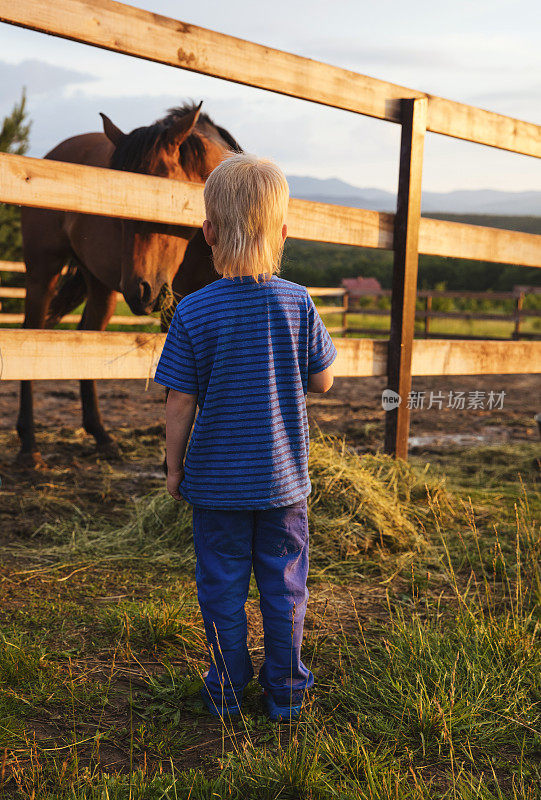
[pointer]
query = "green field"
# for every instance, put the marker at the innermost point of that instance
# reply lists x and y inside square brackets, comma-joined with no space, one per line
[462,327]
[423,632]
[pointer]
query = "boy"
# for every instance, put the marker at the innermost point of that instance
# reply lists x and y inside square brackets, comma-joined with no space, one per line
[245,350]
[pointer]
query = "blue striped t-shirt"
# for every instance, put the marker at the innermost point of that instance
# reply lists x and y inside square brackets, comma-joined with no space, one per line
[246,348]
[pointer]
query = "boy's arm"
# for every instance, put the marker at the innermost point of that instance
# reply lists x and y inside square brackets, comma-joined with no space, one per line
[321,352]
[321,381]
[179,416]
[177,370]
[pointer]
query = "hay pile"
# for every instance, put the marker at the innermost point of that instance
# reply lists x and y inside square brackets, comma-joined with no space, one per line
[360,503]
[357,504]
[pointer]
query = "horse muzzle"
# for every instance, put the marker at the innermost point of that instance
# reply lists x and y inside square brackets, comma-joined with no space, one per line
[140,297]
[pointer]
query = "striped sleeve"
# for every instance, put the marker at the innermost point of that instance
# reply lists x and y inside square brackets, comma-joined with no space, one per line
[321,349]
[177,366]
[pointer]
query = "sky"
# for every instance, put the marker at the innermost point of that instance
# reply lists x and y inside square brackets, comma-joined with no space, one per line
[482,52]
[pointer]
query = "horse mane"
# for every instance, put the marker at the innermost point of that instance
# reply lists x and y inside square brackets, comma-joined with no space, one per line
[132,151]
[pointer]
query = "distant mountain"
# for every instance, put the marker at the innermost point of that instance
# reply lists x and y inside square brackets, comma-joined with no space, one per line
[465,201]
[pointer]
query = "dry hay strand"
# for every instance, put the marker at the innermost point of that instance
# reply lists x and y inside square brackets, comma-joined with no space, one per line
[359,503]
[167,303]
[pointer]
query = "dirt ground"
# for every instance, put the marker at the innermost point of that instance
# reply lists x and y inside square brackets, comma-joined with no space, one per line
[352,406]
[78,475]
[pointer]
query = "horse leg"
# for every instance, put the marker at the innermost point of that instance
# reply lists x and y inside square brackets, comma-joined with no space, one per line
[98,311]
[39,291]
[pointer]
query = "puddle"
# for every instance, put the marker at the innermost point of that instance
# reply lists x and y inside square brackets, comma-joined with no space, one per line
[459,439]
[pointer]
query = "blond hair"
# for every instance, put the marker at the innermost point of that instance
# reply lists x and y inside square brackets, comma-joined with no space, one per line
[246,201]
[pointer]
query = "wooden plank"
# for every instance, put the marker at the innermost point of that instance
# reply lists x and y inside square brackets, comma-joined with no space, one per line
[59,355]
[92,190]
[406,257]
[360,358]
[12,291]
[319,291]
[467,357]
[12,266]
[474,124]
[14,319]
[134,320]
[133,31]
[27,354]
[323,222]
[479,243]
[373,312]
[18,319]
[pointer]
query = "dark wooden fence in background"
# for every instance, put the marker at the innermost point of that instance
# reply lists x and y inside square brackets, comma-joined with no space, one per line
[351,305]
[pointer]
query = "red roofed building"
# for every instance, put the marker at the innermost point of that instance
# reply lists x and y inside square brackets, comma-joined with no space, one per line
[360,286]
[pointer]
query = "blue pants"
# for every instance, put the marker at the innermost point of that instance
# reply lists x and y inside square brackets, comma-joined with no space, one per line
[275,541]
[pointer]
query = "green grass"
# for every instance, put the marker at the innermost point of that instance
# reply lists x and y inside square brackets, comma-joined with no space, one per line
[422,630]
[458,327]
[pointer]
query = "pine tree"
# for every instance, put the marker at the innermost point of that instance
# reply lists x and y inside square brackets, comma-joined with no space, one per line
[14,138]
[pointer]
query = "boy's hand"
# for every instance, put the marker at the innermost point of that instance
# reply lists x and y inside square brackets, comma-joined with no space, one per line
[173,480]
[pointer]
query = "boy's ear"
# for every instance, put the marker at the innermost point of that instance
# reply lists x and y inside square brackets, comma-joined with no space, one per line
[208,233]
[284,232]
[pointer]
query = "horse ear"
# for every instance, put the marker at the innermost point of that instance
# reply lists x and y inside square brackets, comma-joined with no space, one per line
[181,129]
[113,133]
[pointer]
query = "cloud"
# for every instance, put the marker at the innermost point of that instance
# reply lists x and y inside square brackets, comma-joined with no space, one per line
[520,101]
[355,54]
[493,54]
[39,77]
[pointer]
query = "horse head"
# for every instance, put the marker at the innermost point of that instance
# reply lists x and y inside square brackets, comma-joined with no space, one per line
[186,146]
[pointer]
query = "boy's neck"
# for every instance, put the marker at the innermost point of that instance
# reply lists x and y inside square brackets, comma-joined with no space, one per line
[250,275]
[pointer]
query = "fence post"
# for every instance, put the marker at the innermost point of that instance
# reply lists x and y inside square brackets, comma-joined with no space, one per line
[345,307]
[406,256]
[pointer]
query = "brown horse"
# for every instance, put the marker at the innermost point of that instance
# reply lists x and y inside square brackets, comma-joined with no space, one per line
[106,255]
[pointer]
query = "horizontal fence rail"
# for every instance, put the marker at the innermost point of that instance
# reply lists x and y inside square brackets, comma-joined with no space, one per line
[61,355]
[95,190]
[133,31]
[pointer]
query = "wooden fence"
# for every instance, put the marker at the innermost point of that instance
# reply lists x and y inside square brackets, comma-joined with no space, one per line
[515,317]
[125,29]
[348,305]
